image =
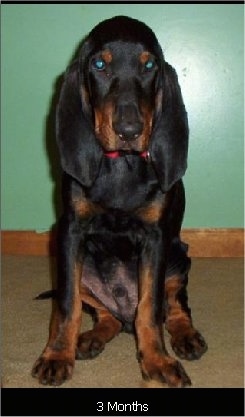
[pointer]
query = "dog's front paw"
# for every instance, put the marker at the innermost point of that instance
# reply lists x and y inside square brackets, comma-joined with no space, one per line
[166,370]
[52,371]
[189,344]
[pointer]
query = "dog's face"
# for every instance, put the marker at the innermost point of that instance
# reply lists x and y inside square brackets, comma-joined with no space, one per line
[121,84]
[123,95]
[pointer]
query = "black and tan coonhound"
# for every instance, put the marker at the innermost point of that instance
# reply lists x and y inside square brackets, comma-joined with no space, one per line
[122,133]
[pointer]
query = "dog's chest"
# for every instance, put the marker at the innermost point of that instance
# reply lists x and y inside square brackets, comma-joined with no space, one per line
[124,183]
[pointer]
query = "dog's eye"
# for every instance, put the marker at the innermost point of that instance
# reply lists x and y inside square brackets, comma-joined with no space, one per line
[149,65]
[99,64]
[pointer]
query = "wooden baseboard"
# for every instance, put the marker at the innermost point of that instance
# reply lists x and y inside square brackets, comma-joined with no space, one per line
[214,243]
[27,243]
[203,243]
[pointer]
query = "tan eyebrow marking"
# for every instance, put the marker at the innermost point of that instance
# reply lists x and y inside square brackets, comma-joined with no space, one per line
[144,57]
[107,56]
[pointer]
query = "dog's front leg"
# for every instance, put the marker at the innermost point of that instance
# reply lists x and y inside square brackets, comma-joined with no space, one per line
[154,360]
[56,363]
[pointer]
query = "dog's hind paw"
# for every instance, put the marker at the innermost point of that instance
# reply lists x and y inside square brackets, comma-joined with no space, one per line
[189,345]
[89,346]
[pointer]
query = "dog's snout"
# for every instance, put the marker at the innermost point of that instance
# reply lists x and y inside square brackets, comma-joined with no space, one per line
[127,123]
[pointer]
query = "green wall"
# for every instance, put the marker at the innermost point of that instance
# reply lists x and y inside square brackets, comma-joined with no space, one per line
[205,44]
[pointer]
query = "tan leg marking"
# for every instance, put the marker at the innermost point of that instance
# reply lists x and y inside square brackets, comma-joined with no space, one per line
[154,360]
[186,341]
[56,363]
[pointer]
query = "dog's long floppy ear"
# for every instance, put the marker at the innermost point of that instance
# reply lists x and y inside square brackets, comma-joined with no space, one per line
[79,149]
[169,142]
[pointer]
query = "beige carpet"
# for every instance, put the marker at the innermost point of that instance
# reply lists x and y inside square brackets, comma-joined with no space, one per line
[216,298]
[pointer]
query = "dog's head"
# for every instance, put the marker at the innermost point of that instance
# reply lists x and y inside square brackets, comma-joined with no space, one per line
[120,95]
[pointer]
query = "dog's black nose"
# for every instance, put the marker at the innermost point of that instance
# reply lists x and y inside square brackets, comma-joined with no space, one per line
[128,131]
[127,124]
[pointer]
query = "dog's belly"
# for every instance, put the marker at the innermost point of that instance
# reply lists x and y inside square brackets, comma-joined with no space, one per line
[113,246]
[115,284]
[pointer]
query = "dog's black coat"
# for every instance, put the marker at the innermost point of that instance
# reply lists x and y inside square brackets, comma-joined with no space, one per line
[122,133]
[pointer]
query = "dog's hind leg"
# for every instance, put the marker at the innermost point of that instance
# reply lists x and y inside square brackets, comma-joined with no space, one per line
[91,343]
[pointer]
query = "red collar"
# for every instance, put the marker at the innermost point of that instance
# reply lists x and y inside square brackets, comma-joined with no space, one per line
[117,154]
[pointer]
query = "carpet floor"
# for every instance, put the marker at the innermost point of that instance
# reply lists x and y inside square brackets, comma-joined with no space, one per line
[216,299]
